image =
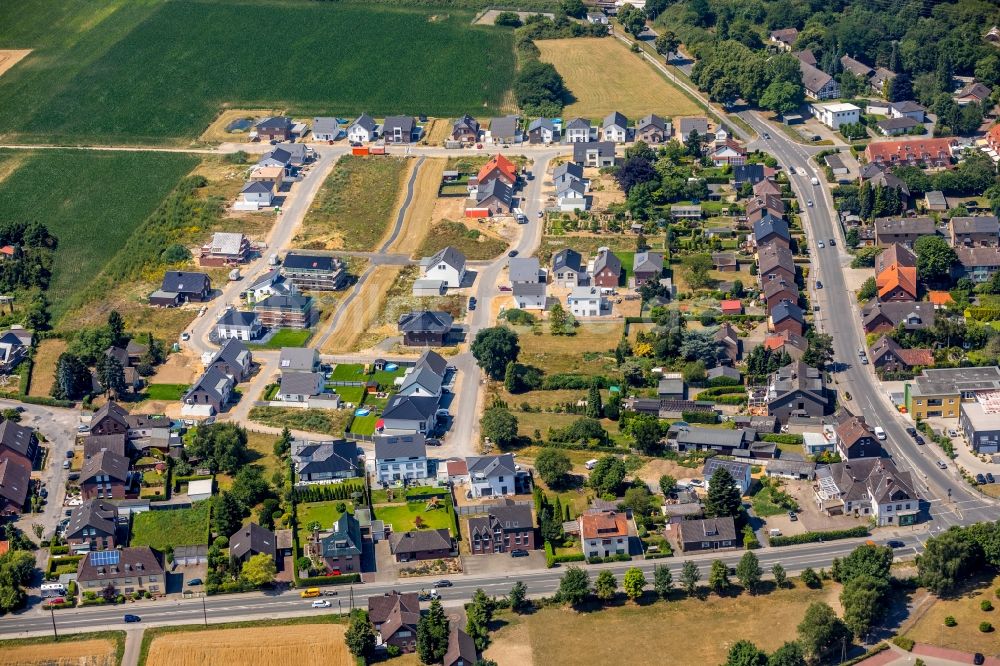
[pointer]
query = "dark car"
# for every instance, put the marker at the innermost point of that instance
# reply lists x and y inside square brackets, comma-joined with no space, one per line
[895,543]
[833,242]
[472,302]
[329,593]
[792,517]
[43,493]
[512,253]
[194,581]
[518,553]
[444,583]
[980,479]
[132,618]
[70,454]
[978,658]
[819,285]
[919,440]
[911,431]
[989,477]
[766,135]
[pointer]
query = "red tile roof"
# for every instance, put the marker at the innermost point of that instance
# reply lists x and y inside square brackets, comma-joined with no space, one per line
[732,305]
[918,150]
[897,277]
[940,297]
[603,525]
[500,162]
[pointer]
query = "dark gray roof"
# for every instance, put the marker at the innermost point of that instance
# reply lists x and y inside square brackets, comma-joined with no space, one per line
[238,318]
[912,315]
[979,224]
[297,358]
[296,302]
[107,463]
[233,352]
[278,155]
[723,371]
[410,408]
[96,514]
[603,148]
[651,120]
[907,106]
[972,257]
[94,444]
[257,187]
[647,261]
[15,477]
[855,67]
[735,468]
[325,125]
[332,456]
[696,123]
[695,436]
[184,282]
[400,446]
[212,382]
[528,289]
[523,269]
[406,543]
[461,649]
[487,466]
[18,438]
[904,123]
[567,258]
[450,256]
[301,383]
[504,126]
[539,123]
[754,173]
[615,119]
[495,188]
[578,123]
[813,79]
[919,226]
[252,539]
[568,170]
[422,376]
[366,122]
[425,321]
[344,538]
[312,262]
[434,361]
[466,122]
[139,559]
[785,310]
[607,259]
[275,123]
[707,529]
[797,376]
[877,478]
[404,123]
[571,188]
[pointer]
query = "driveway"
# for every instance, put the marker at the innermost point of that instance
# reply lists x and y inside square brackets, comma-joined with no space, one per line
[502,563]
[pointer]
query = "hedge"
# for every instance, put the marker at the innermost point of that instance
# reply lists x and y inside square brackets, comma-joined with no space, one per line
[343,579]
[783,438]
[45,402]
[24,370]
[68,603]
[731,399]
[904,642]
[699,417]
[814,537]
[725,389]
[611,558]
[551,559]
[58,550]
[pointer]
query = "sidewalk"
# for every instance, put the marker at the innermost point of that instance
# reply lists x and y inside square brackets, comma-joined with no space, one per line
[929,654]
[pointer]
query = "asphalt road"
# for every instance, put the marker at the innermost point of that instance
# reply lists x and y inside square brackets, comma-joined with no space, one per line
[839,315]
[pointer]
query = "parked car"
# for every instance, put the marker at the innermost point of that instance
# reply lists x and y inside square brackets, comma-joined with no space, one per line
[911,431]
[942,464]
[864,360]
[132,618]
[819,285]
[518,552]
[65,464]
[512,253]
[978,659]
[697,483]
[980,479]
[952,432]
[70,454]
[321,603]
[185,336]
[895,543]
[194,581]
[472,302]
[443,583]
[989,478]
[792,516]
[43,493]
[919,440]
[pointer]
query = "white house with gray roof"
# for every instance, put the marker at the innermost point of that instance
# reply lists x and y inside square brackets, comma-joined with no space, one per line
[299,386]
[615,128]
[868,488]
[578,130]
[448,266]
[209,394]
[326,128]
[238,325]
[400,457]
[300,359]
[362,130]
[504,130]
[496,476]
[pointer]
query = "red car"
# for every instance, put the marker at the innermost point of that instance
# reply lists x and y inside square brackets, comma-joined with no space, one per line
[335,572]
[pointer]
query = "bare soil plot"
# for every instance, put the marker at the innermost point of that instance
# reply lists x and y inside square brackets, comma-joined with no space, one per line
[216,131]
[93,652]
[604,76]
[252,646]
[651,472]
[437,131]
[363,310]
[10,57]
[767,620]
[965,635]
[419,214]
[43,374]
[474,243]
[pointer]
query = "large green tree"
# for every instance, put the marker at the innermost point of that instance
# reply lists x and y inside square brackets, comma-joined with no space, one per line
[606,586]
[934,258]
[749,572]
[690,575]
[574,586]
[718,577]
[862,599]
[222,447]
[789,654]
[554,466]
[608,475]
[821,631]
[946,560]
[259,569]
[663,580]
[745,653]
[499,425]
[723,497]
[494,348]
[360,635]
[432,634]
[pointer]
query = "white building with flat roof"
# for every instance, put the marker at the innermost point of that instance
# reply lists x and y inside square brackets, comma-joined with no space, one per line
[836,115]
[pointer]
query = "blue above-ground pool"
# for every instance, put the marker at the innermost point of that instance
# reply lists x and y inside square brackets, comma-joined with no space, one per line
[390,367]
[362,412]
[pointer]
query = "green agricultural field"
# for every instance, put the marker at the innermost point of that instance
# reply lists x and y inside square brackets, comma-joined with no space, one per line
[158,72]
[172,527]
[92,201]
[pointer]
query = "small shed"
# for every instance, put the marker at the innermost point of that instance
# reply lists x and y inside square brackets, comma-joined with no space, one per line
[428,287]
[190,555]
[200,489]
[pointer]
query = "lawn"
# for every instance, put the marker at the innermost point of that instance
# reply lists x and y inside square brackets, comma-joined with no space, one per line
[325,513]
[349,372]
[604,76]
[286,337]
[159,72]
[352,394]
[767,620]
[589,352]
[354,207]
[402,516]
[171,392]
[325,421]
[263,446]
[92,201]
[965,635]
[172,527]
[364,425]
[474,244]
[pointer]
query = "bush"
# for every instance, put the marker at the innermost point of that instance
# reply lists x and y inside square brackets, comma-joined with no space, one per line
[985,627]
[393,650]
[815,537]
[59,550]
[782,438]
[811,578]
[329,580]
[985,605]
[511,20]
[700,417]
[949,621]
[904,642]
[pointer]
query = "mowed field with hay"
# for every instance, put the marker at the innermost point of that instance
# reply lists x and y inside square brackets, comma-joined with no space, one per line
[252,646]
[604,76]
[158,72]
[92,201]
[96,649]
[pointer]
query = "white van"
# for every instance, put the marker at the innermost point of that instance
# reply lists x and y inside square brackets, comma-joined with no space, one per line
[774,532]
[814,180]
[50,590]
[879,433]
[590,464]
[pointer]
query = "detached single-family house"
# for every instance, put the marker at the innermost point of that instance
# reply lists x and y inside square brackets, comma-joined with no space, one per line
[400,129]
[879,317]
[607,269]
[323,462]
[615,128]
[797,390]
[497,168]
[707,534]
[568,269]
[179,287]
[425,328]
[647,266]
[855,67]
[506,527]
[697,124]
[326,129]
[495,196]
[233,360]
[339,547]
[856,440]
[461,646]
[818,84]
[250,540]
[907,109]
[225,249]
[594,153]
[504,130]
[728,340]
[448,266]
[465,129]
[104,476]
[395,617]
[14,344]
[896,126]
[880,80]
[740,471]
[578,130]
[421,545]
[572,195]
[603,533]
[410,413]
[784,38]
[254,196]
[542,130]
[652,130]
[362,130]
[729,153]
[276,128]
[888,357]
[496,476]
[209,394]
[109,419]
[237,325]
[299,386]
[587,302]
[973,92]
[868,487]
[298,359]
[400,457]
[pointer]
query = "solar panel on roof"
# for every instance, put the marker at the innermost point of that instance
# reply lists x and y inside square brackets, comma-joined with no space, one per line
[103,558]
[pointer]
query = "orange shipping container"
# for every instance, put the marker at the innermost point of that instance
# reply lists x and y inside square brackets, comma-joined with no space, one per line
[477,212]
[359,150]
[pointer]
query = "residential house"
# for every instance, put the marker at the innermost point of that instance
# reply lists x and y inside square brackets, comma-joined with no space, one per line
[707,534]
[528,283]
[400,129]
[939,392]
[725,262]
[729,153]
[594,153]
[787,316]
[973,92]
[775,262]
[587,302]
[607,269]
[797,390]
[880,81]
[19,443]
[978,231]
[697,124]
[725,442]
[542,130]
[817,83]
[728,341]
[254,196]
[806,56]
[979,421]
[896,126]
[323,462]
[448,266]
[779,291]
[884,179]
[496,197]
[566,173]
[671,386]
[15,479]
[271,282]
[237,325]
[209,394]
[340,547]
[603,533]
[979,264]
[505,527]
[425,328]
[835,116]
[14,345]
[856,440]
[784,341]
[109,419]
[572,196]
[896,274]
[578,130]
[325,129]
[740,471]
[652,130]
[868,487]
[250,540]
[758,207]
[273,176]
[883,317]
[105,476]
[395,617]
[614,128]
[461,646]
[749,173]
[179,287]
[400,458]
[275,128]
[94,444]
[421,545]
[410,413]
[299,386]
[855,67]
[765,187]
[362,130]
[496,476]
[314,272]
[911,152]
[126,570]
[903,230]
[935,201]
[505,130]
[225,249]
[465,130]
[568,269]
[292,310]
[301,359]
[93,526]
[771,229]
[888,357]
[233,360]
[784,38]
[595,18]
[497,168]
[647,266]
[686,212]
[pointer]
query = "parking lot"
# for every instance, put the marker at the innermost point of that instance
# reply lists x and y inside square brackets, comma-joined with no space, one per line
[809,517]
